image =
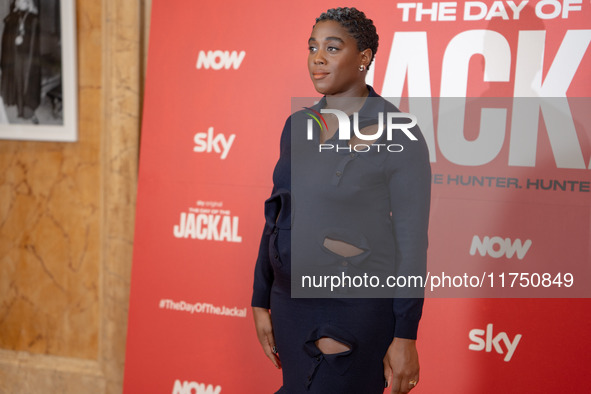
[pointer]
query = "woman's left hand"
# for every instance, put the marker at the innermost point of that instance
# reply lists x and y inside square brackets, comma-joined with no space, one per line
[401,366]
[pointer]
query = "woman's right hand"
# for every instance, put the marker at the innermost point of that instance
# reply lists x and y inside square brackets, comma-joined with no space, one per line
[264,327]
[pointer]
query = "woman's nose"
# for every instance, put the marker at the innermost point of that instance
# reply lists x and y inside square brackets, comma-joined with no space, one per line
[319,57]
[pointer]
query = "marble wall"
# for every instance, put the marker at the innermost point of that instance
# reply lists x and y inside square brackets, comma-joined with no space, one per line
[66,221]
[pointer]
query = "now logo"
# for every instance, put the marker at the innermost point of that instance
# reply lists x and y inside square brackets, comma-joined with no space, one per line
[194,388]
[498,247]
[216,60]
[484,340]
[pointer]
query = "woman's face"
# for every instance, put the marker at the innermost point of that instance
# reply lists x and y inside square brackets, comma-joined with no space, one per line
[334,60]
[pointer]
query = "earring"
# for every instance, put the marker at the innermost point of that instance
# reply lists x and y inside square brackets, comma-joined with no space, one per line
[361,68]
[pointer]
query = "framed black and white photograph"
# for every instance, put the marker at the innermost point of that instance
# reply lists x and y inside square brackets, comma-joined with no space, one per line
[38,90]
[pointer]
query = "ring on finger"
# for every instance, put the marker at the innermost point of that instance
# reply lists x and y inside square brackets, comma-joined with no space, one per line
[412,382]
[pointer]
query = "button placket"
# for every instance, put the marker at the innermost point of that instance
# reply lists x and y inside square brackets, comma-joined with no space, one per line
[316,361]
[340,170]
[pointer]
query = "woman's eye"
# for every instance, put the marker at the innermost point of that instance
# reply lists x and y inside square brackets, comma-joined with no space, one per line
[332,49]
[312,49]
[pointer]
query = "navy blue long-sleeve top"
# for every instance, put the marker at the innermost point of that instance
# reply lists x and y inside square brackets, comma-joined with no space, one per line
[392,187]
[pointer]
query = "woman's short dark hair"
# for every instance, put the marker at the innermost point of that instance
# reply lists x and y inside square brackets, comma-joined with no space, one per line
[357,24]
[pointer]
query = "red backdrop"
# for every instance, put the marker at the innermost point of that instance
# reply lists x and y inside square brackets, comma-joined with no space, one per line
[218,89]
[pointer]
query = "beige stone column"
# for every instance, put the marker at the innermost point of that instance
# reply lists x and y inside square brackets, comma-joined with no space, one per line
[123,84]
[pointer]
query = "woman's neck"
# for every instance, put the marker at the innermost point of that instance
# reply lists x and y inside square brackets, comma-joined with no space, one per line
[350,101]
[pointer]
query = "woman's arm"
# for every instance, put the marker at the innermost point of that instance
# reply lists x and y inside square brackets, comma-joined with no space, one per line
[264,328]
[263,272]
[401,365]
[410,199]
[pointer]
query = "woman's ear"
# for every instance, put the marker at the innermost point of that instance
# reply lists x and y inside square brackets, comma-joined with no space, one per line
[365,57]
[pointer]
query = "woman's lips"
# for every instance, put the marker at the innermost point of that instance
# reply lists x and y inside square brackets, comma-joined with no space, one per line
[319,75]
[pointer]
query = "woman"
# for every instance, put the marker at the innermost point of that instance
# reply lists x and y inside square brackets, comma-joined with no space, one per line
[20,62]
[343,345]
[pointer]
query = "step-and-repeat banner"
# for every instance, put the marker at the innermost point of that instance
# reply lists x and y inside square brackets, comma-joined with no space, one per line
[499,89]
